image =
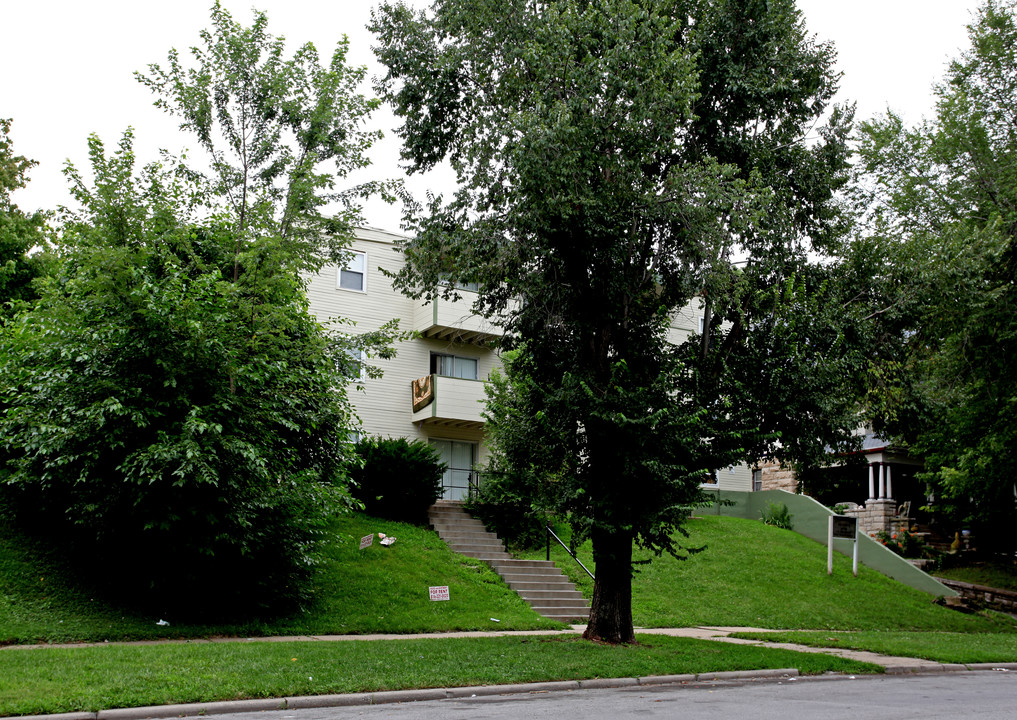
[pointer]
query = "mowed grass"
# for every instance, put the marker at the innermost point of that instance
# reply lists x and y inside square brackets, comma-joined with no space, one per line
[378,589]
[996,575]
[94,678]
[753,575]
[941,647]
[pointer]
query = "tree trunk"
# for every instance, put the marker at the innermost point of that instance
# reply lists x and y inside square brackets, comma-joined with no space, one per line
[611,611]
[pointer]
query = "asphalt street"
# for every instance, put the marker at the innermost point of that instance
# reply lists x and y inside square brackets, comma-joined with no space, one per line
[987,695]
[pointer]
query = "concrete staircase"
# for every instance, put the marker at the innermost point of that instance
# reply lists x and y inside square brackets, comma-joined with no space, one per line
[538,582]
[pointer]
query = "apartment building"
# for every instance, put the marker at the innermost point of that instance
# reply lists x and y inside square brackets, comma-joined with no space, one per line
[433,390]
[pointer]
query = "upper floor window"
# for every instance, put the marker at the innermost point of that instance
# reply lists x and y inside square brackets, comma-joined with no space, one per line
[353,276]
[454,366]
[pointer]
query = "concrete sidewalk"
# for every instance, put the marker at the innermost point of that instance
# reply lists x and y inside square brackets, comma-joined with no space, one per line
[892,665]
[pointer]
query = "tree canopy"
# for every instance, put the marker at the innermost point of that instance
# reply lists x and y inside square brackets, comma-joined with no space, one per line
[174,414]
[939,211]
[20,233]
[619,161]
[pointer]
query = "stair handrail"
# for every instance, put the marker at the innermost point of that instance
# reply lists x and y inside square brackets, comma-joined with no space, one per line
[549,535]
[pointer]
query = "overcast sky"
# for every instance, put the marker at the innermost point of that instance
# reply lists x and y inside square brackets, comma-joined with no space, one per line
[67,69]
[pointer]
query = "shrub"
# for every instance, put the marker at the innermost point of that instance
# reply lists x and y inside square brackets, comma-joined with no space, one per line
[508,510]
[399,480]
[904,543]
[777,515]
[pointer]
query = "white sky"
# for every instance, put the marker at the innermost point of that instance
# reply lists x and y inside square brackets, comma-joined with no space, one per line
[68,64]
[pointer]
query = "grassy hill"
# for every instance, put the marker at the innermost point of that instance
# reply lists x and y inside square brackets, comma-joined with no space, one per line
[748,575]
[378,589]
[753,575]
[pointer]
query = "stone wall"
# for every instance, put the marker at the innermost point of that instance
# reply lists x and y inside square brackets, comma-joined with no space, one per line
[778,477]
[877,515]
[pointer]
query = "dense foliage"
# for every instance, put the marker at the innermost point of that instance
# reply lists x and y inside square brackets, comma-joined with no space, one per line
[170,424]
[615,158]
[175,417]
[398,479]
[940,232]
[20,233]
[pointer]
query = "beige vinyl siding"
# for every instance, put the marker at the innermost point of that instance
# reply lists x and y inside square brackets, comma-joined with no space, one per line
[384,404]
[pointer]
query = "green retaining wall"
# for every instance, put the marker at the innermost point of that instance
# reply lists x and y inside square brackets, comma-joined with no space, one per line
[810,518]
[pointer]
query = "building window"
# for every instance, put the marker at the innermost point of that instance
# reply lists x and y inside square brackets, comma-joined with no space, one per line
[757,480]
[454,366]
[711,479]
[353,276]
[355,367]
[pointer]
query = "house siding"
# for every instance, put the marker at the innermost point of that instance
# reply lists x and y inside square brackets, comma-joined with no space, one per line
[383,404]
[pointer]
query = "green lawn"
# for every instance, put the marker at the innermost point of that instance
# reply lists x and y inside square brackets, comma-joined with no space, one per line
[94,678]
[379,589]
[754,575]
[749,575]
[997,575]
[942,647]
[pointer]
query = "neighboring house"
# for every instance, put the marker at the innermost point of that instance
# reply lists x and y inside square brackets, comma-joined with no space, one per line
[877,485]
[433,390]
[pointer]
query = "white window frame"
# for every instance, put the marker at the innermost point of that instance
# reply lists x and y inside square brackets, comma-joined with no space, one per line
[358,257]
[475,361]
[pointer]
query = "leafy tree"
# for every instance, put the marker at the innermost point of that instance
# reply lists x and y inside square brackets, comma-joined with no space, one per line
[940,213]
[19,233]
[278,134]
[172,404]
[613,157]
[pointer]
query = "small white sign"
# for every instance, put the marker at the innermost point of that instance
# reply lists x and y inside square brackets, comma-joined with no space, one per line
[439,593]
[366,541]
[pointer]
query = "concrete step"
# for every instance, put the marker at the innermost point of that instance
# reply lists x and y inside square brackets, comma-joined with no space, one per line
[468,535]
[522,587]
[524,577]
[539,582]
[473,550]
[463,526]
[564,603]
[573,595]
[516,563]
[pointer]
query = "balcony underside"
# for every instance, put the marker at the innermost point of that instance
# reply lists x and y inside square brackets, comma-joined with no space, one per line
[455,423]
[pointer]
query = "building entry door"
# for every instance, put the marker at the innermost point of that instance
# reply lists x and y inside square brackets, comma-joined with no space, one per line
[459,458]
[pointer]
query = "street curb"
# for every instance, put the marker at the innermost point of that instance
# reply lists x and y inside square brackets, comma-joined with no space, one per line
[227,707]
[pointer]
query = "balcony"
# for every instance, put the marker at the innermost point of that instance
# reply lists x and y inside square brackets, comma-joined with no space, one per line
[453,321]
[448,402]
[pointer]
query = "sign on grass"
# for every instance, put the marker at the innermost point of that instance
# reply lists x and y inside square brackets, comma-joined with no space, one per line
[844,526]
[366,541]
[439,593]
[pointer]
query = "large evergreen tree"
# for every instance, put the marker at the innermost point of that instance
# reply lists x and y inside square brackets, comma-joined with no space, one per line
[615,158]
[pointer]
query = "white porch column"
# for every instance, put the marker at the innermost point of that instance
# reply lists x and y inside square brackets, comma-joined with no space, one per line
[872,483]
[889,483]
[882,481]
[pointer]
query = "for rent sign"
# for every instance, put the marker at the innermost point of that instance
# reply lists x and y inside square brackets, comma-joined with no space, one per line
[439,593]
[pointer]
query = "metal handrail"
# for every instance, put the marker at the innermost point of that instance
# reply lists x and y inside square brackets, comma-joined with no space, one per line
[549,535]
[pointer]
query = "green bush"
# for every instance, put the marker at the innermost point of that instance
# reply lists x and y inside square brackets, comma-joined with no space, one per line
[505,510]
[777,515]
[399,480]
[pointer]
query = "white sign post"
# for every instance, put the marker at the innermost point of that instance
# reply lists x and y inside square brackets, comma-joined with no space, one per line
[439,593]
[842,526]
